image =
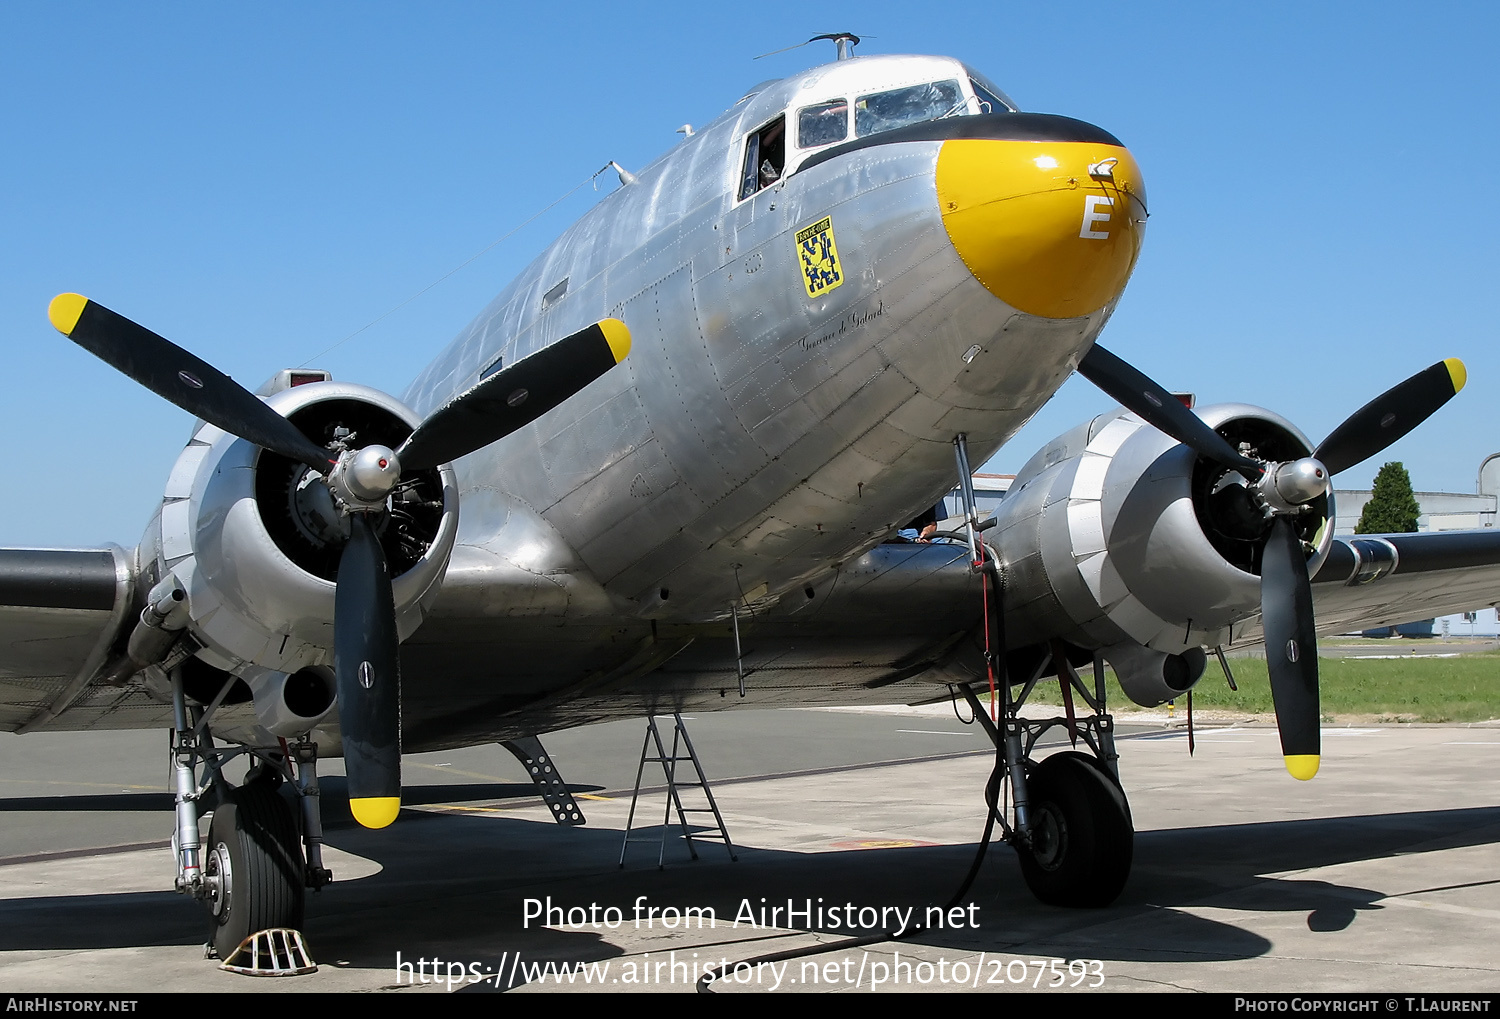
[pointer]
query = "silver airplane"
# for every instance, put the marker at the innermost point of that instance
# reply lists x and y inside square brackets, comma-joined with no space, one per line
[663,470]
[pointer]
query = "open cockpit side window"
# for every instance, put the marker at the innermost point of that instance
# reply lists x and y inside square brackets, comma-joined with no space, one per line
[765,158]
[989,102]
[991,98]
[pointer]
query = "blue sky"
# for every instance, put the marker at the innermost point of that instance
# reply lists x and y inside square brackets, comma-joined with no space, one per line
[257,182]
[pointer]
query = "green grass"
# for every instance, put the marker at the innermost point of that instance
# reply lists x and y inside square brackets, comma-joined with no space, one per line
[1463,689]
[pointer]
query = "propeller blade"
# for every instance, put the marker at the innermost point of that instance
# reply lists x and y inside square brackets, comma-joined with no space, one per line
[516,395]
[1391,415]
[1291,647]
[181,378]
[1150,402]
[368,677]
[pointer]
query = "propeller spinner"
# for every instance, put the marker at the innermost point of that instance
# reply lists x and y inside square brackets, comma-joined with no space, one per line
[360,481]
[1277,492]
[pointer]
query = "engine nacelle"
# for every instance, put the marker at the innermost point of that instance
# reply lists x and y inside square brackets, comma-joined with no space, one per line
[1114,534]
[255,542]
[288,706]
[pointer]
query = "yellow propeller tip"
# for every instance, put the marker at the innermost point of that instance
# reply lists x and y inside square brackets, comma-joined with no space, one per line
[65,310]
[617,335]
[375,811]
[1457,372]
[1302,766]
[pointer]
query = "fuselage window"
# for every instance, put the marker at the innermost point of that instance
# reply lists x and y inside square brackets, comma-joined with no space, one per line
[765,157]
[823,124]
[885,111]
[494,366]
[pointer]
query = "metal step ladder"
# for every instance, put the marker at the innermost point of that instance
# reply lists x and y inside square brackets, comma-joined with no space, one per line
[669,762]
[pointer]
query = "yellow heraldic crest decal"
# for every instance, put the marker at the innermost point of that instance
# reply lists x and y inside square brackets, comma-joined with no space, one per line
[820,257]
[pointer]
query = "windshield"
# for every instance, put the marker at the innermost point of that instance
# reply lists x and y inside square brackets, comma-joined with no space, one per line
[884,111]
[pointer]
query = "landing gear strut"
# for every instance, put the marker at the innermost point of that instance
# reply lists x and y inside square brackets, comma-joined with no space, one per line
[251,873]
[1068,820]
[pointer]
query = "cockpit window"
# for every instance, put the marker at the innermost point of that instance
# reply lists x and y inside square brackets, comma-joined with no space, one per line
[885,111]
[765,158]
[823,124]
[989,102]
[991,94]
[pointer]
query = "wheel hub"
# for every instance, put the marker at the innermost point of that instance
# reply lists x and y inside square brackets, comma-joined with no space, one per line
[218,879]
[1049,837]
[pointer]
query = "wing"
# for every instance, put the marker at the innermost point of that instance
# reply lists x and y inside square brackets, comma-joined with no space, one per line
[61,611]
[1379,579]
[508,651]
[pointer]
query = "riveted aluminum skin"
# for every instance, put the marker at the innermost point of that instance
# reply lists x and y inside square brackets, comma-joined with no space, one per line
[249,604]
[1100,533]
[755,437]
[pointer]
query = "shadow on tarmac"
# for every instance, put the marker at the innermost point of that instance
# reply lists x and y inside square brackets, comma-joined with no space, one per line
[454,887]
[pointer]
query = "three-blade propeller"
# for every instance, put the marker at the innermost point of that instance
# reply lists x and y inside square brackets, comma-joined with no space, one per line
[1280,492]
[366,663]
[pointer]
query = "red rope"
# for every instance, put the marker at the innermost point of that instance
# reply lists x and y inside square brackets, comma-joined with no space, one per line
[989,651]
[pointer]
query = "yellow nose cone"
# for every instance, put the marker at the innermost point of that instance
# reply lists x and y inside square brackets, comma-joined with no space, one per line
[1051,228]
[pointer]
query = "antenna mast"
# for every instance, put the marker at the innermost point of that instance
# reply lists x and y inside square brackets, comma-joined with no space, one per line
[845,41]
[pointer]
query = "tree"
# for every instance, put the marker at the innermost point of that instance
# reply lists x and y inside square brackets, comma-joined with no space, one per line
[1392,508]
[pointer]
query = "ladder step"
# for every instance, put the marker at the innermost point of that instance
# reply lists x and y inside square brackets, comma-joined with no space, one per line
[681,753]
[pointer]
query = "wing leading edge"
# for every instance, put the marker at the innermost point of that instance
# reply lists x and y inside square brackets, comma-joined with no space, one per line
[1373,580]
[61,610]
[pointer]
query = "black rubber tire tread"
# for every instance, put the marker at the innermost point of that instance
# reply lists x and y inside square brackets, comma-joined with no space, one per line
[1095,863]
[265,854]
[1109,776]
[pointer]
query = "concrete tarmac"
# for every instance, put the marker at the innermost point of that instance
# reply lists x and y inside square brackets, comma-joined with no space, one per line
[1379,875]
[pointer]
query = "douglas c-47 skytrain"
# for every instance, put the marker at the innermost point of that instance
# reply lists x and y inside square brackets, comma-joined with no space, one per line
[661,472]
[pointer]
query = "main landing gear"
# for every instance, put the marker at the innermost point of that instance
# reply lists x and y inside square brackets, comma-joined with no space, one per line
[265,838]
[1067,816]
[258,862]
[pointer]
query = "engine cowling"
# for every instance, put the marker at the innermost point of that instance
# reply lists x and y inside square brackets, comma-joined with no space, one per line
[255,545]
[1115,536]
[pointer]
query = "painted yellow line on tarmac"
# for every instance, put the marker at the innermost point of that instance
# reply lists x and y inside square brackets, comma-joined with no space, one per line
[448,769]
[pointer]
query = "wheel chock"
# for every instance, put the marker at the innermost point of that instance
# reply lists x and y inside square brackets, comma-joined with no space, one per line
[274,952]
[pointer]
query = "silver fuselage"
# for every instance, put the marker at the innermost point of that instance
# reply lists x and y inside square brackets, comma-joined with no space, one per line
[759,442]
[756,437]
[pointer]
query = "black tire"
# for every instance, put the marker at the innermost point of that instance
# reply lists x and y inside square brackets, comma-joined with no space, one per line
[253,866]
[1082,838]
[1109,776]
